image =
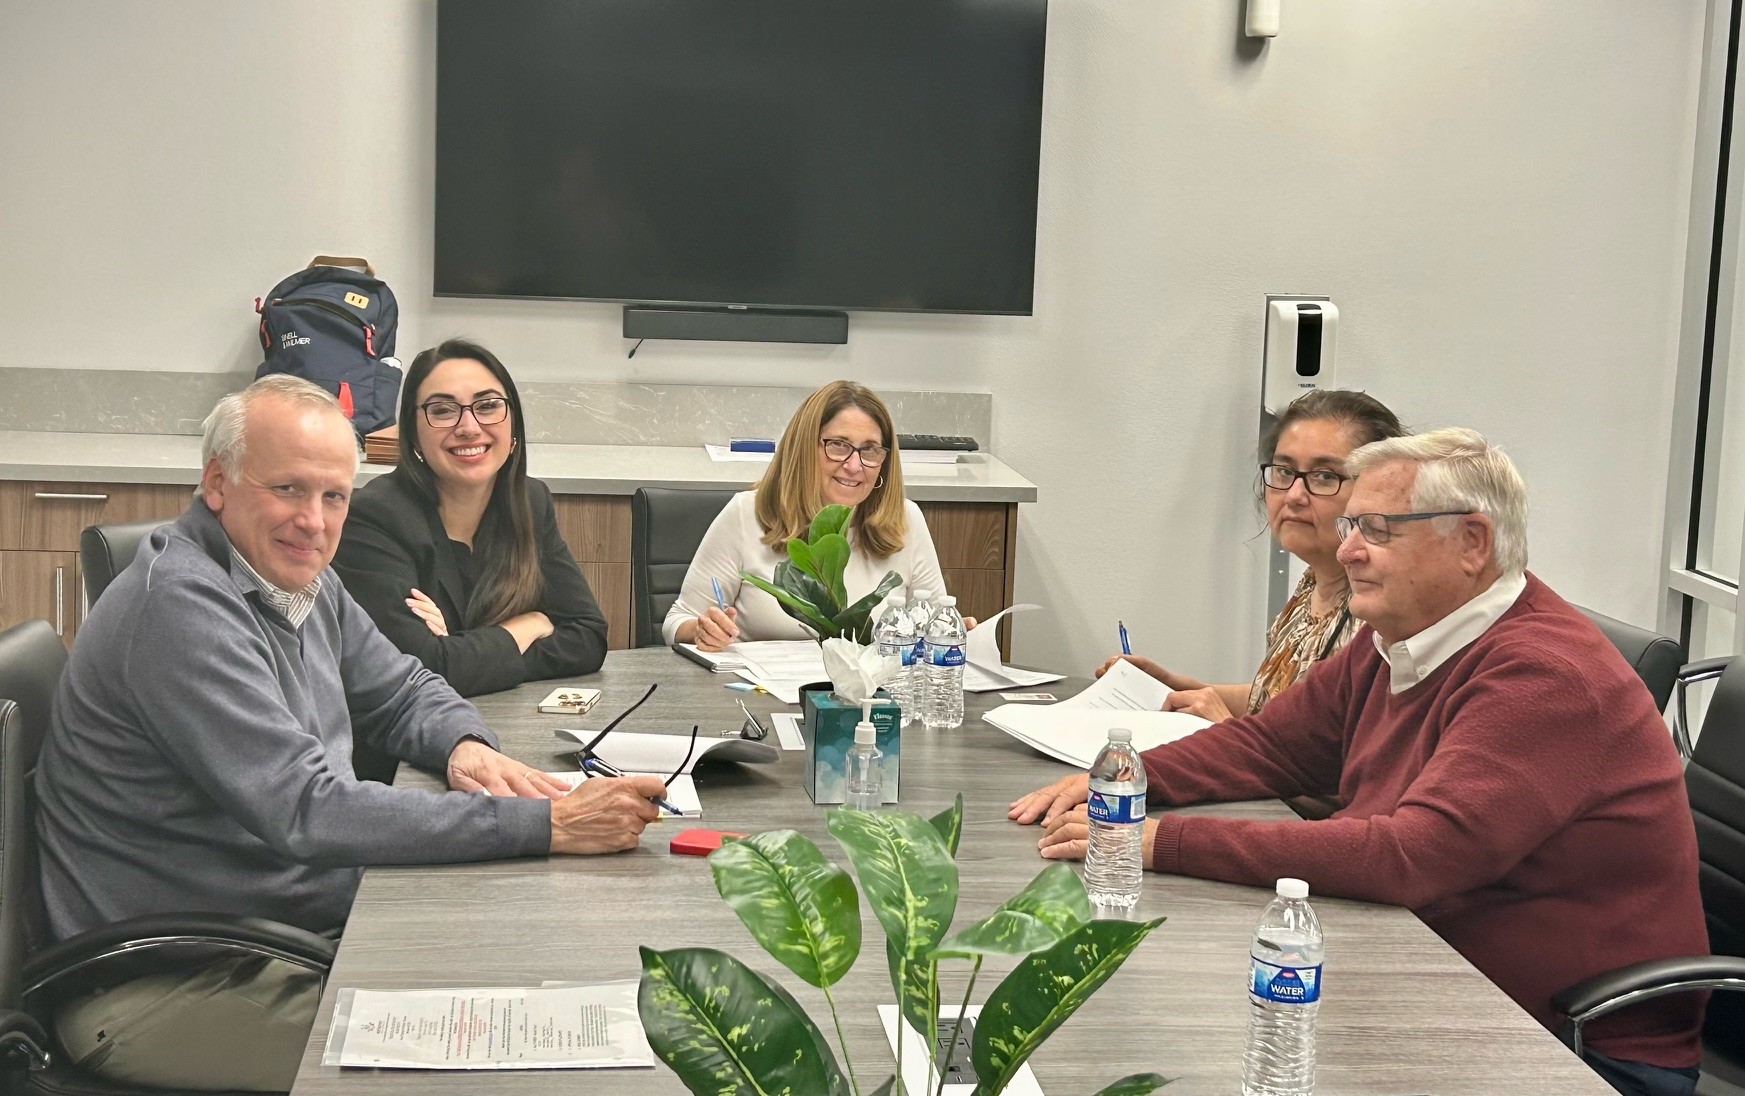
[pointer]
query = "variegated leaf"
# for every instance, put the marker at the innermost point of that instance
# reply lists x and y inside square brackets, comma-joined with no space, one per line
[1053,905]
[803,909]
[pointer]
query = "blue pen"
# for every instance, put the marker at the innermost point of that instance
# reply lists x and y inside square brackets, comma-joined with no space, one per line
[720,599]
[1126,650]
[595,765]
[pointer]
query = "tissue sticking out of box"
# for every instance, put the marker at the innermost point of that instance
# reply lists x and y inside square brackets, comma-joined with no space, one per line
[856,672]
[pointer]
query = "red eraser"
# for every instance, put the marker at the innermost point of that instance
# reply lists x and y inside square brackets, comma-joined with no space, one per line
[698,842]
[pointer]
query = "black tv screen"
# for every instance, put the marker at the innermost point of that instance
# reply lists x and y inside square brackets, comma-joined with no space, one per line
[859,154]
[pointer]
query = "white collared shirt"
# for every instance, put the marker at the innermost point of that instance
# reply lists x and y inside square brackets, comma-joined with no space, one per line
[1412,660]
[294,606]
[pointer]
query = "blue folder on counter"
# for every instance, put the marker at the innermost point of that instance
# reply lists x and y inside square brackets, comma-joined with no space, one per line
[751,445]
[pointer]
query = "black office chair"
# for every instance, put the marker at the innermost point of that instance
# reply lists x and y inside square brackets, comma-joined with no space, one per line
[1654,657]
[1715,781]
[33,978]
[666,525]
[106,550]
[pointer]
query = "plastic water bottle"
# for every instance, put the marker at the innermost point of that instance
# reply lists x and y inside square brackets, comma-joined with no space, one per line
[1284,994]
[921,610]
[1114,862]
[894,633]
[943,708]
[864,767]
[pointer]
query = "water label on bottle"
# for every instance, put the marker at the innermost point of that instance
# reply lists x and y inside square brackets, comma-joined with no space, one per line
[896,650]
[945,656]
[1285,985]
[1103,807]
[910,652]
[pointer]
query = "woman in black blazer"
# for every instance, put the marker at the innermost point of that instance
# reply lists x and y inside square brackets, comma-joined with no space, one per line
[456,553]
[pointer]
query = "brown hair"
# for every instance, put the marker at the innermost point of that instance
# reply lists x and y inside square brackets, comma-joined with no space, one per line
[510,581]
[791,493]
[1364,417]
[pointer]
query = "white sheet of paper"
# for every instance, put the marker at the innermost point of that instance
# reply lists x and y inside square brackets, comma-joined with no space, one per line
[681,791]
[719,661]
[983,672]
[722,454]
[659,754]
[1124,687]
[1074,735]
[788,730]
[570,1027]
[919,1074]
[780,666]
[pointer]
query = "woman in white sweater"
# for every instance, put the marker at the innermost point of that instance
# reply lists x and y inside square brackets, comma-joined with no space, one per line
[838,448]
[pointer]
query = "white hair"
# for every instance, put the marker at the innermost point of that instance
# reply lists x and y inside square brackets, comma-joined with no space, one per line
[225,439]
[1459,470]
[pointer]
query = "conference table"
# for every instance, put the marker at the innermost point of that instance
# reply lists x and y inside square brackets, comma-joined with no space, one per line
[1403,1013]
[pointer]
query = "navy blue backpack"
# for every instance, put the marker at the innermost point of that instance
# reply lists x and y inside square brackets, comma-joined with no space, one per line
[335,326]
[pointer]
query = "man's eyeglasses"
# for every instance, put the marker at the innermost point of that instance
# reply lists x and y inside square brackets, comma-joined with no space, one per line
[1318,481]
[442,414]
[872,454]
[592,762]
[1377,528]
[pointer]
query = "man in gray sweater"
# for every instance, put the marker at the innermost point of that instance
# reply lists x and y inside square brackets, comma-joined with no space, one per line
[199,757]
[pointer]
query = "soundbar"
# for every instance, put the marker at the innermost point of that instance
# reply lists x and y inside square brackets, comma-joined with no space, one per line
[734,324]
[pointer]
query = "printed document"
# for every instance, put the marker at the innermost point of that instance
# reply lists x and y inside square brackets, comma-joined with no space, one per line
[1123,687]
[983,672]
[780,666]
[1075,729]
[559,1027]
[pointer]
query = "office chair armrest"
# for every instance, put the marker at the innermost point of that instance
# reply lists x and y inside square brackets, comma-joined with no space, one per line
[123,950]
[1591,998]
[1703,669]
[22,1036]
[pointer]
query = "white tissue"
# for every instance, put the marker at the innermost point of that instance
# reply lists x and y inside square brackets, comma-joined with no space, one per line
[856,672]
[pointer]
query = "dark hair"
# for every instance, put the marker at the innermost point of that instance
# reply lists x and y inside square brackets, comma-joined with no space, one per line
[510,581]
[1364,417]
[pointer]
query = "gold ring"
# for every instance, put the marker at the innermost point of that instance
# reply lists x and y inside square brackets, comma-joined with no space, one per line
[528,775]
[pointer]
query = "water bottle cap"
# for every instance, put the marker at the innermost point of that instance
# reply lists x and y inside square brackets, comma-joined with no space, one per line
[947,602]
[1292,888]
[865,734]
[1120,734]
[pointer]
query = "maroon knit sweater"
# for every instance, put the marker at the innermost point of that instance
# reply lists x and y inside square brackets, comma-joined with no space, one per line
[1525,800]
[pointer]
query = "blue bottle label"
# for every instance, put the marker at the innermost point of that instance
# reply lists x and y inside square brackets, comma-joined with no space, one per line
[1103,807]
[910,652]
[1285,985]
[945,656]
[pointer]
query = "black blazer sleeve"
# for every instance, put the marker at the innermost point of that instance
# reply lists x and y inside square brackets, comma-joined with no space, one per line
[577,644]
[388,547]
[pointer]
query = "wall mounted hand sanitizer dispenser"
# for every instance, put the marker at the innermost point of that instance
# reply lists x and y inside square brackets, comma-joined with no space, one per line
[1301,337]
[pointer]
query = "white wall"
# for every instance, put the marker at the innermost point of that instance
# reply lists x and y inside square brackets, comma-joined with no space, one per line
[1494,193]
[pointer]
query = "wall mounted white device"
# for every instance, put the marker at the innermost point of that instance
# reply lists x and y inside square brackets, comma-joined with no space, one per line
[1260,19]
[1302,335]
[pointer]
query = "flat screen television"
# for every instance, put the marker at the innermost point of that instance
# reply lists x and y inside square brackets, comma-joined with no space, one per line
[811,154]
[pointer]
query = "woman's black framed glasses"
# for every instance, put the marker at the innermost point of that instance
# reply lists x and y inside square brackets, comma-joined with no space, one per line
[1377,528]
[872,454]
[1318,481]
[442,414]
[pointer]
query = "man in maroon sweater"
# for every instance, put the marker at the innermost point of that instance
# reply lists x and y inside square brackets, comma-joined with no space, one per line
[1505,774]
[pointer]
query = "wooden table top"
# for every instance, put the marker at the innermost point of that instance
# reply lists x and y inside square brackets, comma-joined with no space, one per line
[1404,1014]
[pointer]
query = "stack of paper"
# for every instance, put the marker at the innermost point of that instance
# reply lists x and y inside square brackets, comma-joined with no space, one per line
[549,1027]
[1075,729]
[983,672]
[681,791]
[780,666]
[721,454]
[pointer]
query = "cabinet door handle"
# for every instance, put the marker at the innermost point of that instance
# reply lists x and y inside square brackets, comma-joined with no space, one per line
[60,601]
[68,496]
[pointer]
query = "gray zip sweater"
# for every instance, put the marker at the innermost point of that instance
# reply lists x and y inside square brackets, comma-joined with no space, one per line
[199,755]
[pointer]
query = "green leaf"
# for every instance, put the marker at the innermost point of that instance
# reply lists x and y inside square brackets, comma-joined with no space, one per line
[830,553]
[856,620]
[949,823]
[726,1029]
[831,519]
[1037,917]
[793,606]
[1137,1084]
[1043,991]
[803,909]
[801,555]
[805,587]
[910,880]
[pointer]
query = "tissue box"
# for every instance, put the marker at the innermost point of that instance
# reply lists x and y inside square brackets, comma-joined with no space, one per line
[828,724]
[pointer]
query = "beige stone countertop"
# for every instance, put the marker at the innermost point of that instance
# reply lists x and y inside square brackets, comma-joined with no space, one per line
[567,469]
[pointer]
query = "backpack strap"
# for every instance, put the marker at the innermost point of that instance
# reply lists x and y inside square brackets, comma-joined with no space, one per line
[343,260]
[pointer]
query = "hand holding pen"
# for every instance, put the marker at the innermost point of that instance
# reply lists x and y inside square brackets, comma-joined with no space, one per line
[716,627]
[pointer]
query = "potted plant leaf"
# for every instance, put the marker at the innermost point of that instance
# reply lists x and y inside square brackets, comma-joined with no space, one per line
[809,585]
[727,1029]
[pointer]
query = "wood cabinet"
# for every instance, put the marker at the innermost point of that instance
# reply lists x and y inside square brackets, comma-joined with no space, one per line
[40,523]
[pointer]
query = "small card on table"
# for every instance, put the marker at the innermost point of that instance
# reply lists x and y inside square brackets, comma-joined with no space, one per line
[1047,697]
